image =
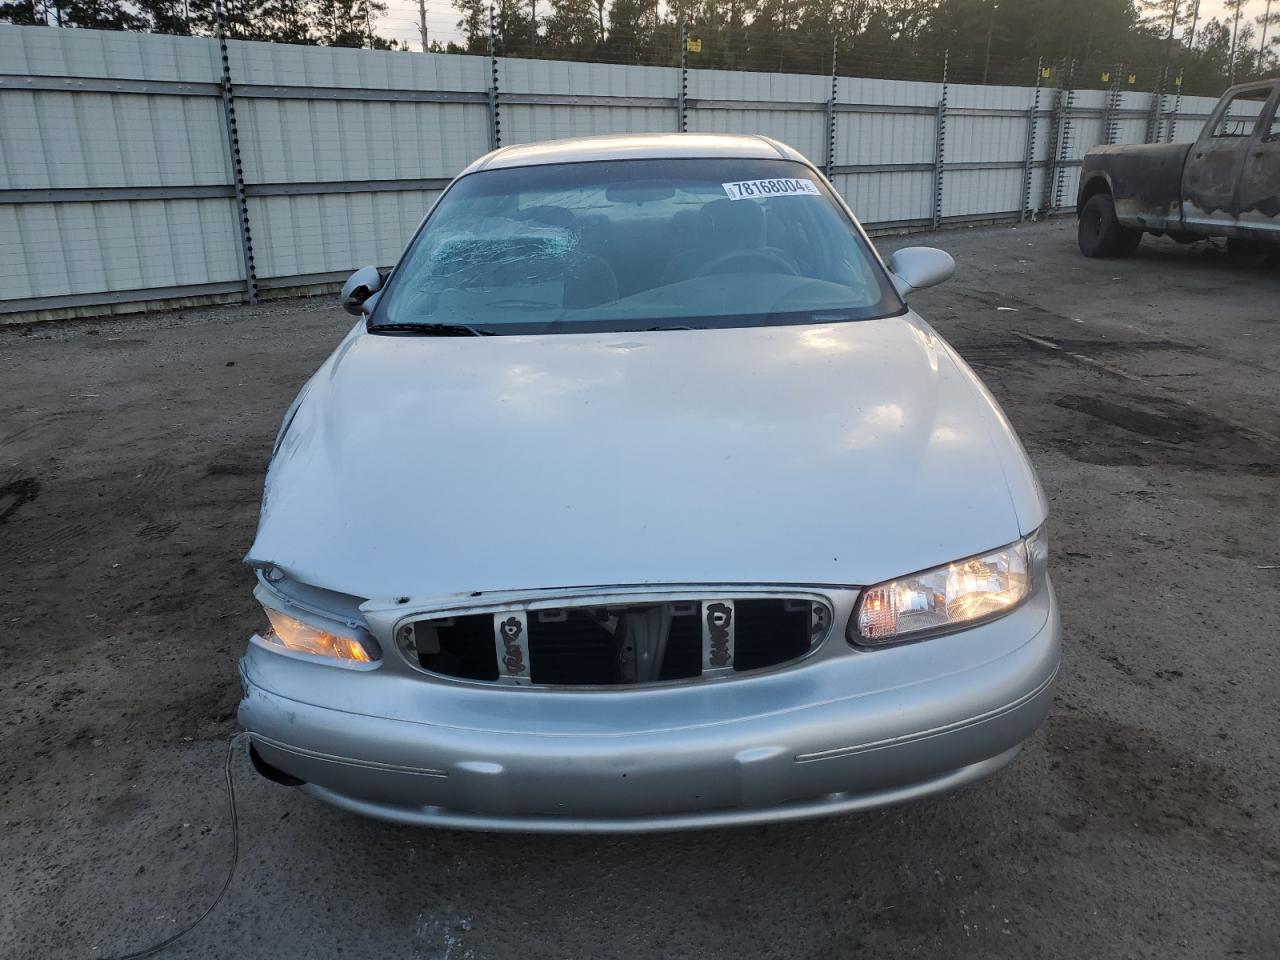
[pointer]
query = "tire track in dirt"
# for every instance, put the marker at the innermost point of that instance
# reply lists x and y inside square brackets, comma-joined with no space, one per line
[62,536]
[15,493]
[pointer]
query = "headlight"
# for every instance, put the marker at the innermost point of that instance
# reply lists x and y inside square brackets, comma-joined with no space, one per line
[348,644]
[950,596]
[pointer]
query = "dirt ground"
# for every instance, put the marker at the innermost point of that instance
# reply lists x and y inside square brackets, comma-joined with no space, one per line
[1143,821]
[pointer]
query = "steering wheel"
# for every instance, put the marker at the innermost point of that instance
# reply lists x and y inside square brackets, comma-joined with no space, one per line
[767,257]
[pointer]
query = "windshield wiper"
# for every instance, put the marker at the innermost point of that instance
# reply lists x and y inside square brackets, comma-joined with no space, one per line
[681,326]
[431,329]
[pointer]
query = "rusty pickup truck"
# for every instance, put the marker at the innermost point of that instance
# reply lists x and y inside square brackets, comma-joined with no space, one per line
[1226,184]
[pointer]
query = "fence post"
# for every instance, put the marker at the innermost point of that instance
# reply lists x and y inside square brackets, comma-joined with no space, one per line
[831,114]
[1111,117]
[1064,142]
[1059,138]
[237,168]
[1051,148]
[940,143]
[1157,104]
[1177,106]
[681,103]
[1029,155]
[495,121]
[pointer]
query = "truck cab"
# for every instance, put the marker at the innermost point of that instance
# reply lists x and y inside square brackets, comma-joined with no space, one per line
[1225,184]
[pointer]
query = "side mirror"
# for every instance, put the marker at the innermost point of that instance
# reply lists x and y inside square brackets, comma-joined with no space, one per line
[915,268]
[360,286]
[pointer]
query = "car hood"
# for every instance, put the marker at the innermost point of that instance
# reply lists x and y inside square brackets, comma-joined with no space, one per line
[845,453]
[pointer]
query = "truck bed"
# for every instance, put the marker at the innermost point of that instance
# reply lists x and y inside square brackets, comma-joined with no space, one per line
[1145,180]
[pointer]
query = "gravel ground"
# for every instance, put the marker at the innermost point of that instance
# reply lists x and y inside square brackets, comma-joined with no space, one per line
[1143,820]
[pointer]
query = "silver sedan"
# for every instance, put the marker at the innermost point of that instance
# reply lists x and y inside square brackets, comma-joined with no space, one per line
[639,499]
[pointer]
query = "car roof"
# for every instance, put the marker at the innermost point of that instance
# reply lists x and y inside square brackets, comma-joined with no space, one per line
[636,146]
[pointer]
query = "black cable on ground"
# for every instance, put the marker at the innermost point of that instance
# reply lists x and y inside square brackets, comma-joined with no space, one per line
[235,859]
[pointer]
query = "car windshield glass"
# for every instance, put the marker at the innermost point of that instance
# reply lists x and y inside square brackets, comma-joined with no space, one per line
[636,245]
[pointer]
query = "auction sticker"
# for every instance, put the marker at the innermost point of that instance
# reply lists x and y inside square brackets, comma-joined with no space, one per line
[758,189]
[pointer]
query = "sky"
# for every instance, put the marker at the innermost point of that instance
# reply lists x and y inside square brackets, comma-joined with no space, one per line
[401,20]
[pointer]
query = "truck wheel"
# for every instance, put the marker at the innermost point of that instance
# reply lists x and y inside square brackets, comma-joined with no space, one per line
[1100,233]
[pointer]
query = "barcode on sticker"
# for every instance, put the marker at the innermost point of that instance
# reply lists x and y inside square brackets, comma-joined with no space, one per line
[756,189]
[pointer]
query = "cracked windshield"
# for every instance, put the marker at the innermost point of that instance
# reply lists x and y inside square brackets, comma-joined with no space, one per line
[633,245]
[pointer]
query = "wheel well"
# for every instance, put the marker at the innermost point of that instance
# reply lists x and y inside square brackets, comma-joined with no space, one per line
[1095,185]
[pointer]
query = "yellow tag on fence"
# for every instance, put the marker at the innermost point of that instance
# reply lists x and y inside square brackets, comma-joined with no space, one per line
[1046,72]
[693,44]
[1106,77]
[1133,78]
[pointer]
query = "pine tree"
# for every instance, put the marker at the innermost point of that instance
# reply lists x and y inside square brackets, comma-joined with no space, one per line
[239,18]
[721,26]
[773,37]
[474,25]
[512,27]
[1269,25]
[287,21]
[21,12]
[348,23]
[573,27]
[632,25]
[1236,63]
[165,16]
[372,11]
[100,15]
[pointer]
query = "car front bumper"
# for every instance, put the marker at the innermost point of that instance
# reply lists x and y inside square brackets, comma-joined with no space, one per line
[829,735]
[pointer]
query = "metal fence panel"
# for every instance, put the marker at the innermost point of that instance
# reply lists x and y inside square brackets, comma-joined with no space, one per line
[80,248]
[865,139]
[1192,114]
[117,181]
[68,140]
[987,193]
[984,139]
[306,141]
[528,123]
[41,51]
[759,87]
[318,123]
[975,96]
[571,78]
[283,65]
[806,131]
[901,93]
[786,107]
[885,199]
[326,233]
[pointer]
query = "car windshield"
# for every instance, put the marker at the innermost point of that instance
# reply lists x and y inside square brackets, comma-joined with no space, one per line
[635,245]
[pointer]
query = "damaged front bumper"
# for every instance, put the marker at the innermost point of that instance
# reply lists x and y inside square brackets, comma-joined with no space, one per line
[832,734]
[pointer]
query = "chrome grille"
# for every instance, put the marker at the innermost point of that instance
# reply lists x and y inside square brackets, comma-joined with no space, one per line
[599,643]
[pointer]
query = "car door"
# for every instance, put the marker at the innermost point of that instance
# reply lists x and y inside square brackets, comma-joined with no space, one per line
[1259,192]
[1212,173]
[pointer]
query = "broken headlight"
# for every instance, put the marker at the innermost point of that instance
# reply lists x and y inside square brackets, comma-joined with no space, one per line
[346,644]
[951,596]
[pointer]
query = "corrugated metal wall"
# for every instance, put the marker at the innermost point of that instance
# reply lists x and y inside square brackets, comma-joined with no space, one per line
[300,138]
[69,139]
[117,184]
